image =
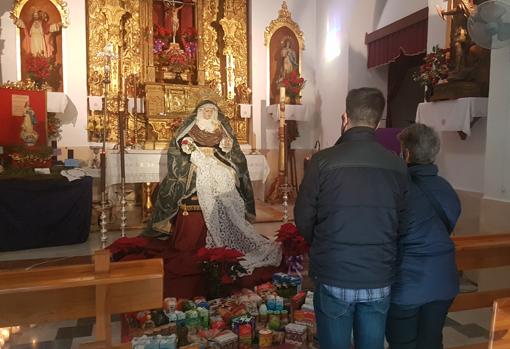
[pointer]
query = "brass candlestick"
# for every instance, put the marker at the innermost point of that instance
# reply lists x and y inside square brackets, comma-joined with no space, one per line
[108,54]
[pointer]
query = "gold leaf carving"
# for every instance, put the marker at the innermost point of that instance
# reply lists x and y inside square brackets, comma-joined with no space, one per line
[61,6]
[115,22]
[211,61]
[284,20]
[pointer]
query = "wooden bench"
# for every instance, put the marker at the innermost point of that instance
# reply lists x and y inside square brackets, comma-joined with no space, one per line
[500,328]
[479,252]
[73,292]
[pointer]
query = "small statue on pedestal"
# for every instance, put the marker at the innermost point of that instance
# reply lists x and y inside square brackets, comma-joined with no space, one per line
[469,72]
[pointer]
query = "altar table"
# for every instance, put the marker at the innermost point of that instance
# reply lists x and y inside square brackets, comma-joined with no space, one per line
[44,212]
[56,102]
[454,115]
[150,166]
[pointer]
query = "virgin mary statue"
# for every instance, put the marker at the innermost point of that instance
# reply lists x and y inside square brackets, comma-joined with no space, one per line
[208,170]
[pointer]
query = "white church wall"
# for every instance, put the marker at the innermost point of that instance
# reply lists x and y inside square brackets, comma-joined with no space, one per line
[332,65]
[7,44]
[397,9]
[304,14]
[497,159]
[343,24]
[359,75]
[74,120]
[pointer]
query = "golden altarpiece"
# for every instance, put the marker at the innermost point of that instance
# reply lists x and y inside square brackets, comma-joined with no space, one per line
[173,53]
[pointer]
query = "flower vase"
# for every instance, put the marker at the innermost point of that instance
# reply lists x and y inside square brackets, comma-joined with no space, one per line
[214,286]
[295,99]
[429,91]
[178,77]
[39,83]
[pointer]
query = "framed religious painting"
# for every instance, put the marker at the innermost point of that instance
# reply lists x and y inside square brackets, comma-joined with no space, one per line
[40,24]
[23,117]
[285,42]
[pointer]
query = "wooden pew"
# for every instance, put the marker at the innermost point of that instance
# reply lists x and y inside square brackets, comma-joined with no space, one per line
[479,252]
[72,292]
[500,328]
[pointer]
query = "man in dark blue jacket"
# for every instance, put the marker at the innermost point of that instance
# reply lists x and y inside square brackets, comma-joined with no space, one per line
[351,208]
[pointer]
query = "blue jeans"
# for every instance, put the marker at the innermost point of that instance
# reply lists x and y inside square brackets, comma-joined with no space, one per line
[336,320]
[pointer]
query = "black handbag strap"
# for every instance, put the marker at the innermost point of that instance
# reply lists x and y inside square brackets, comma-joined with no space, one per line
[435,204]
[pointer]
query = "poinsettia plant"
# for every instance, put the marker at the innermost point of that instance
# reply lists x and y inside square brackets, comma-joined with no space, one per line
[293,83]
[294,247]
[222,267]
[175,58]
[39,68]
[435,67]
[293,244]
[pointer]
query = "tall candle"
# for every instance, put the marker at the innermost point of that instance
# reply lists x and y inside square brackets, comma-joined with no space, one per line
[282,94]
[253,141]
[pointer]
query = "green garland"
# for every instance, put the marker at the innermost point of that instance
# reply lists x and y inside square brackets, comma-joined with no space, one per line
[30,154]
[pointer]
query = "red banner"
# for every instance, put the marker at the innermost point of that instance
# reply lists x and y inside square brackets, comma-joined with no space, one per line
[22,110]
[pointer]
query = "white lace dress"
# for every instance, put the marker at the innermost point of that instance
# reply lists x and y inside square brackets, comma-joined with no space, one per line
[224,214]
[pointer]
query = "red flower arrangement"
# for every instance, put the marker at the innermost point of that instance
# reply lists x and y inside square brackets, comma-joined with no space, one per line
[39,68]
[222,267]
[161,32]
[293,84]
[175,58]
[294,247]
[189,35]
[293,244]
[435,67]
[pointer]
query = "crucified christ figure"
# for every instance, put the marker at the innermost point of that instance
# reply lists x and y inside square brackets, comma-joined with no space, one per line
[175,19]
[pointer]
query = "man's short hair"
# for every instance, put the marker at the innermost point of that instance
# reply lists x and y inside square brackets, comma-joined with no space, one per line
[422,142]
[365,106]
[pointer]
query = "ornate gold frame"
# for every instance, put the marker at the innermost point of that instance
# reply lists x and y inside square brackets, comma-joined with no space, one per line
[165,102]
[284,20]
[61,6]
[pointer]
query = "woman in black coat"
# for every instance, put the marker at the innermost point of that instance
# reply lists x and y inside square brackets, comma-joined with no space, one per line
[427,280]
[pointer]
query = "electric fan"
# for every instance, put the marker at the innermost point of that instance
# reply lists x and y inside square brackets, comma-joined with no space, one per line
[489,26]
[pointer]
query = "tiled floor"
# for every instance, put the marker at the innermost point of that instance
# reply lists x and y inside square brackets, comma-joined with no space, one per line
[462,328]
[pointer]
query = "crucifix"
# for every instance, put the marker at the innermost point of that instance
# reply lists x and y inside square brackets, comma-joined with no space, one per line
[175,7]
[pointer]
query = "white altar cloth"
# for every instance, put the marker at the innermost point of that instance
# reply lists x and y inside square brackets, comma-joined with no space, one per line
[56,102]
[258,167]
[150,166]
[454,115]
